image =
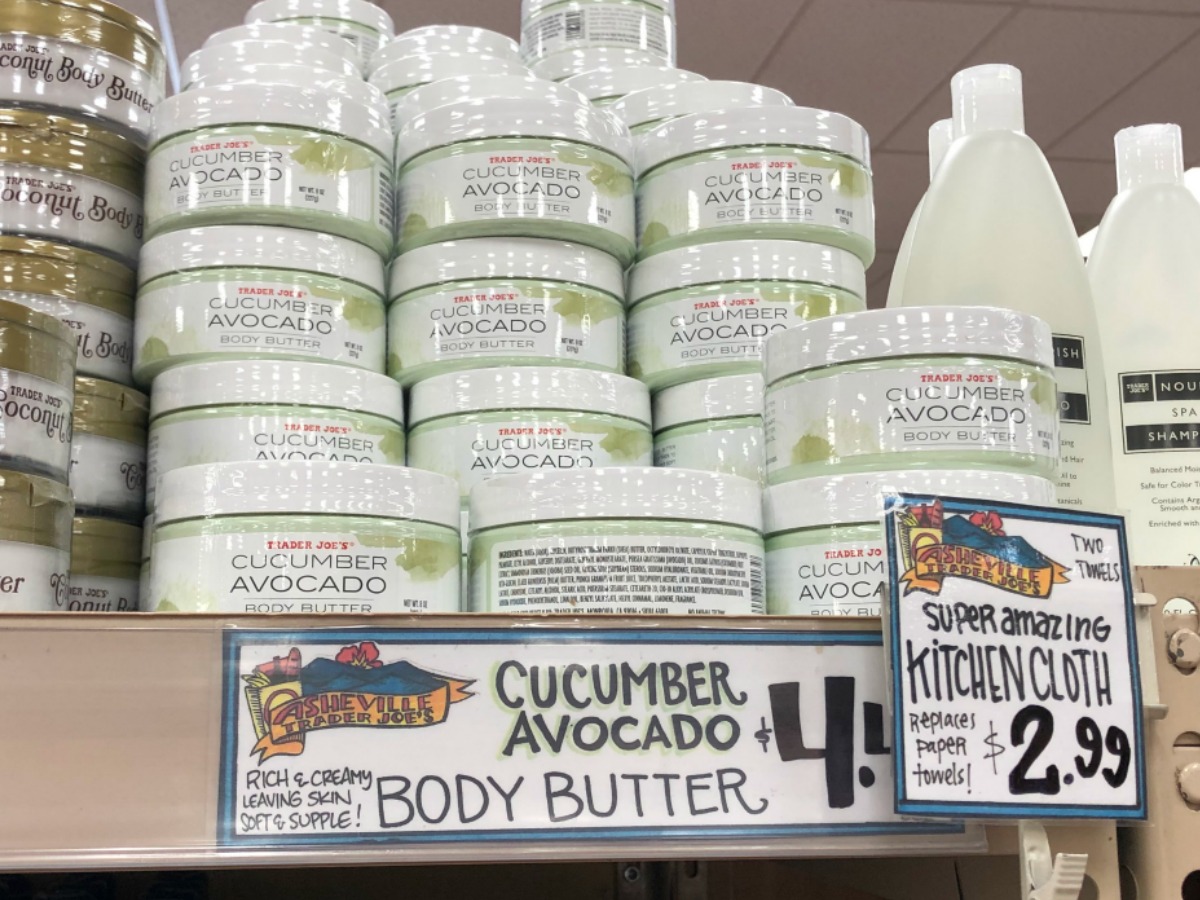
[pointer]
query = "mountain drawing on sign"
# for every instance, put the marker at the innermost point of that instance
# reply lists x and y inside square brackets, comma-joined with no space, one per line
[402,677]
[1010,548]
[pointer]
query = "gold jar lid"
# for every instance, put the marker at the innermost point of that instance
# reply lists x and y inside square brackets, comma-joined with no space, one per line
[35,510]
[110,410]
[32,138]
[94,23]
[31,266]
[105,547]
[19,314]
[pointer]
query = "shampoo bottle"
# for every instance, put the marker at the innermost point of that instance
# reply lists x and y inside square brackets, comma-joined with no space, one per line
[941,134]
[994,231]
[1145,274]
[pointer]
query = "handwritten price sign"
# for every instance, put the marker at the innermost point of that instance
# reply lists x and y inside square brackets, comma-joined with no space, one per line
[1013,659]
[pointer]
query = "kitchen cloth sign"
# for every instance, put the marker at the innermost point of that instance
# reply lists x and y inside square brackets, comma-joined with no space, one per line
[426,734]
[1015,681]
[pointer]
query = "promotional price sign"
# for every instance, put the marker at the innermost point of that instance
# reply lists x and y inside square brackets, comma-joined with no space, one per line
[1015,680]
[422,735]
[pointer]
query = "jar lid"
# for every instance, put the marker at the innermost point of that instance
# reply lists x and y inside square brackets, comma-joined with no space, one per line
[750,260]
[276,382]
[32,138]
[790,126]
[352,87]
[260,246]
[913,331]
[607,84]
[685,98]
[443,39]
[214,64]
[727,397]
[110,409]
[478,86]
[625,492]
[272,104]
[858,498]
[532,258]
[307,487]
[94,23]
[34,266]
[469,120]
[362,12]
[31,318]
[565,63]
[302,36]
[34,509]
[533,7]
[104,542]
[528,387]
[410,72]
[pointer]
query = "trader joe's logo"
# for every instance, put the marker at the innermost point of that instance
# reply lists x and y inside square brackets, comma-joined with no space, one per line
[975,547]
[355,689]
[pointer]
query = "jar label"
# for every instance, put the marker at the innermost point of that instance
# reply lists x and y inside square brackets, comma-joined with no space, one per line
[108,476]
[1007,413]
[103,339]
[628,574]
[733,451]
[33,578]
[78,77]
[252,317]
[471,452]
[557,181]
[35,423]
[277,168]
[743,189]
[187,439]
[388,568]
[519,319]
[365,39]
[1158,471]
[581,26]
[845,578]
[73,208]
[101,593]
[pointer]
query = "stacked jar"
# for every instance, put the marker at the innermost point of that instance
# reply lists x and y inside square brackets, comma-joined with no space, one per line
[276,441]
[942,401]
[78,87]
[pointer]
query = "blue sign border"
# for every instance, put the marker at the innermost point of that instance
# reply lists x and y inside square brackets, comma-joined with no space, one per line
[234,639]
[967,809]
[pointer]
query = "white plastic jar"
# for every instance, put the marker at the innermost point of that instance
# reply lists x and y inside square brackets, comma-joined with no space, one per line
[89,292]
[213,65]
[604,87]
[757,172]
[918,388]
[329,84]
[249,410]
[477,424]
[305,537]
[108,450]
[363,23]
[551,29]
[479,87]
[826,552]
[271,155]
[89,59]
[649,107]
[509,167]
[105,566]
[249,292]
[621,540]
[37,391]
[401,78]
[35,543]
[504,302]
[713,425]
[303,37]
[67,180]
[446,39]
[705,311]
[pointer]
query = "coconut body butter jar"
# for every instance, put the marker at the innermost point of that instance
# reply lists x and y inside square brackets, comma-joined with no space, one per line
[105,566]
[108,451]
[35,543]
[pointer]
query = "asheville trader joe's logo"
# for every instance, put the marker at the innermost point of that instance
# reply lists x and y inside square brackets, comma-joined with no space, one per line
[934,548]
[356,689]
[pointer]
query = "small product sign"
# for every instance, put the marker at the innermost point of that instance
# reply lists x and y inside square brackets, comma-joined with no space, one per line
[1014,664]
[428,735]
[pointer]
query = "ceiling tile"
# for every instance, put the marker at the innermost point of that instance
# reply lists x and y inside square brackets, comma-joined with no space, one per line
[1141,6]
[730,39]
[874,59]
[1071,63]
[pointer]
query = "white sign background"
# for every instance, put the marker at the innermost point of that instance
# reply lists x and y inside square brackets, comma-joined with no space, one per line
[454,780]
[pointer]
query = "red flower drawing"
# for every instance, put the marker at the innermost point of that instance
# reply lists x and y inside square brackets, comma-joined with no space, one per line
[989,522]
[364,655]
[929,516]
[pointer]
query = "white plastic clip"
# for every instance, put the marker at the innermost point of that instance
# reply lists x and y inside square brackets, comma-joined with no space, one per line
[1147,642]
[1044,877]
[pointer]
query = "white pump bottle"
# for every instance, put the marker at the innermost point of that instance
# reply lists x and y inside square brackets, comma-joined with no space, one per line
[941,135]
